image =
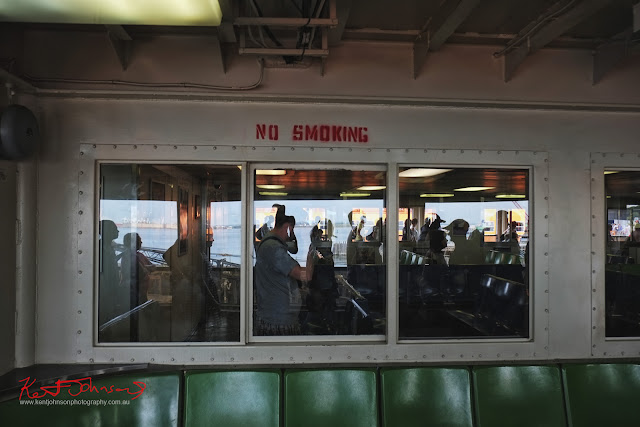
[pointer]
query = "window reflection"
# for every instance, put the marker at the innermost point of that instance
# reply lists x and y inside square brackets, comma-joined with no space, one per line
[169,251]
[463,253]
[622,272]
[319,252]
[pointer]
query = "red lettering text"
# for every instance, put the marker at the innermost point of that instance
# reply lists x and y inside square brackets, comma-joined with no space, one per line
[324,133]
[261,131]
[297,132]
[311,133]
[363,135]
[273,132]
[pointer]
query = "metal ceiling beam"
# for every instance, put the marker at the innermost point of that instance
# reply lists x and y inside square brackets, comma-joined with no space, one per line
[121,42]
[609,55]
[218,54]
[439,28]
[284,22]
[341,13]
[444,25]
[226,32]
[541,34]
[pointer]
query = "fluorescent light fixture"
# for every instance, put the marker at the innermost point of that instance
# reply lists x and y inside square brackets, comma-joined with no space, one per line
[354,194]
[437,195]
[270,186]
[371,187]
[421,172]
[113,12]
[473,188]
[608,197]
[272,172]
[511,196]
[272,193]
[610,172]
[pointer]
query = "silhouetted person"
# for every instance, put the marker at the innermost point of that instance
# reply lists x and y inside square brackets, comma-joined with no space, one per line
[266,228]
[135,269]
[322,293]
[291,241]
[405,230]
[413,230]
[424,230]
[437,241]
[466,251]
[111,301]
[276,276]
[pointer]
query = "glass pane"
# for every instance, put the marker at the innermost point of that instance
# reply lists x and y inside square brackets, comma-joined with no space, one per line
[169,253]
[463,253]
[622,272]
[319,252]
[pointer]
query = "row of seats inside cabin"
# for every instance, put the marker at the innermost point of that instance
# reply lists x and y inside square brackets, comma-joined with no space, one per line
[491,257]
[493,396]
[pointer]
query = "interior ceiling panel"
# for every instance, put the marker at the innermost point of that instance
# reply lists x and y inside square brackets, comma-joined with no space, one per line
[503,16]
[489,17]
[395,15]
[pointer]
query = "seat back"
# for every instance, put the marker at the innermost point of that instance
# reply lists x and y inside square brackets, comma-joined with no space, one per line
[430,396]
[602,394]
[518,396]
[232,398]
[330,397]
[157,405]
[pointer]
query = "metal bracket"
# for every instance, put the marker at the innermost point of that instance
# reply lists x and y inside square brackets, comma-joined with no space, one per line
[121,42]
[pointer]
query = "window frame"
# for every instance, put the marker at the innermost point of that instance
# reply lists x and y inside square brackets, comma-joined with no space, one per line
[251,255]
[83,333]
[601,345]
[532,261]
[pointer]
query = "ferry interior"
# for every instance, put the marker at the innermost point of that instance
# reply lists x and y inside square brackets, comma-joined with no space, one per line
[464,177]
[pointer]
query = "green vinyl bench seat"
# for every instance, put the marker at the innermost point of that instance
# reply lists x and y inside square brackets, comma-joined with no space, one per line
[575,395]
[232,398]
[157,405]
[426,396]
[602,394]
[331,397]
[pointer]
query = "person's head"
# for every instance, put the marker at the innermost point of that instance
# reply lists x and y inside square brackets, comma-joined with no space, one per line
[414,222]
[436,223]
[316,233]
[109,230]
[284,226]
[132,241]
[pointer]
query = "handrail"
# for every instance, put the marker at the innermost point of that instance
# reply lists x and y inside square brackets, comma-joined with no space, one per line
[123,316]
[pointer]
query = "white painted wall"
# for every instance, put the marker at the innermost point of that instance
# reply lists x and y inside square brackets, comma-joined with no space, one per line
[459,102]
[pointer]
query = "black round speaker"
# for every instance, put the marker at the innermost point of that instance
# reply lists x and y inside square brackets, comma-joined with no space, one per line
[19,134]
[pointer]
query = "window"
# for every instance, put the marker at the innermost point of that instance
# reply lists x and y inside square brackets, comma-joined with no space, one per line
[169,253]
[622,255]
[319,252]
[463,256]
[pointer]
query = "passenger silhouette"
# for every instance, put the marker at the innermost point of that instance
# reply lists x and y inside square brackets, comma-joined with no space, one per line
[466,251]
[413,230]
[266,228]
[292,241]
[135,269]
[437,241]
[111,301]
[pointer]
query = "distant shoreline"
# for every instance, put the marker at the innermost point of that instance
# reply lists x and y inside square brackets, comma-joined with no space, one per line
[146,225]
